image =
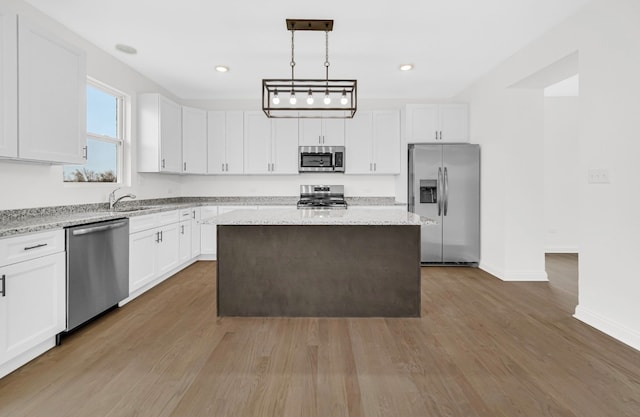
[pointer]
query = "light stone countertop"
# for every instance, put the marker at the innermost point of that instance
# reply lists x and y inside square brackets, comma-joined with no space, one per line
[338,217]
[22,221]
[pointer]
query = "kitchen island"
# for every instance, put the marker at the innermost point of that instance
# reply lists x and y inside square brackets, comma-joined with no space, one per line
[319,263]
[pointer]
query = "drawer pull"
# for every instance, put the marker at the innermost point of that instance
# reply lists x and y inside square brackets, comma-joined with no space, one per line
[4,285]
[36,246]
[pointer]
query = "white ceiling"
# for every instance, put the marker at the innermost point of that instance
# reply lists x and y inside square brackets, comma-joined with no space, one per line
[179,42]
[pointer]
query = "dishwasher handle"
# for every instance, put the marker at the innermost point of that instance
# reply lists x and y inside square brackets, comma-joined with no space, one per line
[95,229]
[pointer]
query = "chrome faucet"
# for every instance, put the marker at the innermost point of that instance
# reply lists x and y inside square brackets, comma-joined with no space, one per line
[113,200]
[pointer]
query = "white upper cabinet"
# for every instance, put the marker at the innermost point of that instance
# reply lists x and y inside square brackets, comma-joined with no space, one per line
[284,146]
[454,122]
[8,85]
[271,145]
[257,143]
[216,142]
[386,142]
[194,141]
[359,149]
[159,134]
[373,143]
[225,137]
[51,97]
[437,123]
[322,132]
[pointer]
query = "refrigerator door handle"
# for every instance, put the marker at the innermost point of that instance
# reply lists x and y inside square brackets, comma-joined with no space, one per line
[439,192]
[446,191]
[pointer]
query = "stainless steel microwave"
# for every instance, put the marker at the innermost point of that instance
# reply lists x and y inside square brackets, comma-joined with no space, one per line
[321,159]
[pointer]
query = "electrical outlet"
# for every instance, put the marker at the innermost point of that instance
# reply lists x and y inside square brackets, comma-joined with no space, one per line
[598,176]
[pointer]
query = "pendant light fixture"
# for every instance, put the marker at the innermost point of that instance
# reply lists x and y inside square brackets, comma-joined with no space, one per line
[339,98]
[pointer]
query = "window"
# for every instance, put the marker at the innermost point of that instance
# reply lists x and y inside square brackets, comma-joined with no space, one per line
[104,137]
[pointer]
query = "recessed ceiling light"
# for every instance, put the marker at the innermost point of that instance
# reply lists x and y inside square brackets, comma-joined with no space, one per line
[406,67]
[222,68]
[126,49]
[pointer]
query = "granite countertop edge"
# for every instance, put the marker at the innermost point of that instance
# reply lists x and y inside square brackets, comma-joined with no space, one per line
[319,217]
[23,221]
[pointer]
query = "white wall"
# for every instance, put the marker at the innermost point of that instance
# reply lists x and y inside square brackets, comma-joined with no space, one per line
[606,35]
[26,185]
[285,185]
[507,123]
[562,174]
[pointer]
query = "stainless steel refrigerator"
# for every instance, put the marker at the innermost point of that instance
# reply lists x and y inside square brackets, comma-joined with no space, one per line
[444,185]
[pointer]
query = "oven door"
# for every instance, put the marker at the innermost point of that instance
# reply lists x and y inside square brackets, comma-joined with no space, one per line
[315,161]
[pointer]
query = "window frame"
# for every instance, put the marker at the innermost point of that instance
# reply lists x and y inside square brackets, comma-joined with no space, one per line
[121,130]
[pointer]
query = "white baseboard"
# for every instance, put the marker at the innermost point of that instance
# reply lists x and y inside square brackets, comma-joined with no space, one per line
[514,275]
[610,327]
[561,249]
[526,276]
[496,272]
[15,363]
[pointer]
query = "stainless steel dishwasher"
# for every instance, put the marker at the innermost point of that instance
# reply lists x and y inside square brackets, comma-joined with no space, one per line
[97,269]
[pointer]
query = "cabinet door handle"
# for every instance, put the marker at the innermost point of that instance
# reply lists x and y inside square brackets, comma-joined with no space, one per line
[161,236]
[182,231]
[36,246]
[162,162]
[226,167]
[436,135]
[157,237]
[193,214]
[4,285]
[370,166]
[85,152]
[375,167]
[185,166]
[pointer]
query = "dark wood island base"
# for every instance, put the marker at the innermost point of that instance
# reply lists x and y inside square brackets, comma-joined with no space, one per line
[319,270]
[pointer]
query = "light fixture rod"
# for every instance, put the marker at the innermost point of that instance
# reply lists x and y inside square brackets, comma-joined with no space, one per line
[293,61]
[342,91]
[326,55]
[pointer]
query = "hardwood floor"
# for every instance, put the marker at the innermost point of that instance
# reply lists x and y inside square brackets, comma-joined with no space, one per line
[482,347]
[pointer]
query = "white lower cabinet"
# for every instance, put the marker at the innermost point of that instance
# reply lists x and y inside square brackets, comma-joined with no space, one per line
[208,232]
[195,231]
[154,251]
[184,238]
[168,248]
[143,254]
[32,302]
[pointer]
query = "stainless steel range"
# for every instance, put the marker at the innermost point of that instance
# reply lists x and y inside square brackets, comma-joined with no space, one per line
[322,197]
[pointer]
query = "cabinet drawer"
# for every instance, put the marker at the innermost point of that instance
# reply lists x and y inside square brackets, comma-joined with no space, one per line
[191,213]
[30,246]
[186,214]
[139,223]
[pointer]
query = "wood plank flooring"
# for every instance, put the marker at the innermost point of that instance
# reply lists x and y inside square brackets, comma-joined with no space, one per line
[482,347]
